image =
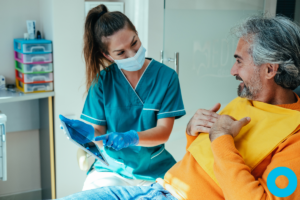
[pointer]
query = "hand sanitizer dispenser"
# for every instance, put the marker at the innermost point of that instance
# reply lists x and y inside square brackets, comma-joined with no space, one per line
[3,158]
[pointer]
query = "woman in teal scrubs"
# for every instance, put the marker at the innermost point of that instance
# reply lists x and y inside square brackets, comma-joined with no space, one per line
[132,102]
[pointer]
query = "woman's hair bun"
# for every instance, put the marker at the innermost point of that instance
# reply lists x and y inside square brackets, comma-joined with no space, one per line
[103,9]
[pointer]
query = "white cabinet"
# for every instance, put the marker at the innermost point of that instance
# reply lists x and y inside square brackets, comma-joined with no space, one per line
[3,159]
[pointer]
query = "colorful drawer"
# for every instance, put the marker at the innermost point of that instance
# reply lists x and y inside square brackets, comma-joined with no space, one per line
[34,78]
[33,68]
[34,87]
[37,46]
[33,58]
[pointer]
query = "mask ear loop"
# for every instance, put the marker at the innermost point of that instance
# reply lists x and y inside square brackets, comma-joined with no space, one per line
[111,58]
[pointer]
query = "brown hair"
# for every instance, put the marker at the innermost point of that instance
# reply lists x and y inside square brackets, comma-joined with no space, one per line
[99,24]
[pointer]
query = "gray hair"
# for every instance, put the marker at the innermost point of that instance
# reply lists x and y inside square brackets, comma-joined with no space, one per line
[276,41]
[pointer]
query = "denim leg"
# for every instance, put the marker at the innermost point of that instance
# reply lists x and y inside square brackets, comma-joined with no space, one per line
[155,192]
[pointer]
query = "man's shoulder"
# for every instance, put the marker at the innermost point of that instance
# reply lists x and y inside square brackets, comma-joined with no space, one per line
[292,142]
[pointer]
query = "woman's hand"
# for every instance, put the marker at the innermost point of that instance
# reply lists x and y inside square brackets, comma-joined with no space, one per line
[81,132]
[119,141]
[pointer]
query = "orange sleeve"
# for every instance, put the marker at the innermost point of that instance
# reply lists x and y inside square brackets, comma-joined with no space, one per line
[235,177]
[190,140]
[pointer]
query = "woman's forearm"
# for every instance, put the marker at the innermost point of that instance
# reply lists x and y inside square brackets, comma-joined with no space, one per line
[99,130]
[153,137]
[158,135]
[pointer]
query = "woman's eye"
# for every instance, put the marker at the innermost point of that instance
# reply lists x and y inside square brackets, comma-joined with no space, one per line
[238,61]
[134,43]
[120,53]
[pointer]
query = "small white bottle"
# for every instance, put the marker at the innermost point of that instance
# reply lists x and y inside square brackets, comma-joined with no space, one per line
[2,82]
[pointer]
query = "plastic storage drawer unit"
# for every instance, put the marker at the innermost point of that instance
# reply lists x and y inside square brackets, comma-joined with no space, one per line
[34,87]
[34,68]
[33,58]
[34,78]
[37,46]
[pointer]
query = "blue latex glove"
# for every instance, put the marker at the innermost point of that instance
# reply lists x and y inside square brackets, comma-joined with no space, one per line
[81,132]
[119,141]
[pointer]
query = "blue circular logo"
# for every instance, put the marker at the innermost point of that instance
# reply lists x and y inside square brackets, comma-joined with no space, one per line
[282,171]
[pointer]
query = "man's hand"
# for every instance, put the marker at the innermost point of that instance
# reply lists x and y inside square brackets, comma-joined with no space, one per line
[202,121]
[227,125]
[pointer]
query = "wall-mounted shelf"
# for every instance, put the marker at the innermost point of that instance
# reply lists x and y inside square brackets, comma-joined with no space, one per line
[8,97]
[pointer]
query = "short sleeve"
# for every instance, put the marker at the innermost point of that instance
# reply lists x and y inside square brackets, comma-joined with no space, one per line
[93,110]
[172,105]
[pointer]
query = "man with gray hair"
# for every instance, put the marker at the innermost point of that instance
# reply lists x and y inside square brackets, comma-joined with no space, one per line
[251,149]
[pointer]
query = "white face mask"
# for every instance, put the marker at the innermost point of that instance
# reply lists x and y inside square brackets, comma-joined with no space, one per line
[134,63]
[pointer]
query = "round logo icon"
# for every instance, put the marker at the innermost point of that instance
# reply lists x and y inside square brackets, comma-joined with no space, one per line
[282,171]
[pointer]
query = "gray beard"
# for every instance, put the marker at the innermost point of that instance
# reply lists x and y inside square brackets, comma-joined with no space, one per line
[254,87]
[245,92]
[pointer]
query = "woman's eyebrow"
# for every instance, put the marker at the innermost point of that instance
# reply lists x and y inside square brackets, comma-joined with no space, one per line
[132,39]
[131,44]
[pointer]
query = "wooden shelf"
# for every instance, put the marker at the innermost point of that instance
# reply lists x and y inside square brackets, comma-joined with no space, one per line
[8,97]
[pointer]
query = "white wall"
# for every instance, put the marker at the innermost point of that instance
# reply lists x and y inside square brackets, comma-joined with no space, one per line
[155,28]
[46,19]
[23,168]
[215,4]
[297,12]
[270,7]
[13,16]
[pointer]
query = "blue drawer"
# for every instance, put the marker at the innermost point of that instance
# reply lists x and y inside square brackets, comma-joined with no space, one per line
[35,46]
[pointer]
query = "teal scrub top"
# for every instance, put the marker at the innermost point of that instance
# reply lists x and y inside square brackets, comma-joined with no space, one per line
[112,102]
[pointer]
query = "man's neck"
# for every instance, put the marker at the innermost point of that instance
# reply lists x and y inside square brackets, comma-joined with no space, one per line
[278,96]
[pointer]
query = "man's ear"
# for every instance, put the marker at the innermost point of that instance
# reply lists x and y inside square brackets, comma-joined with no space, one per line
[271,70]
[108,57]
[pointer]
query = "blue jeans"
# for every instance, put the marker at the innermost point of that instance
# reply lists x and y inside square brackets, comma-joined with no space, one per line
[155,192]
